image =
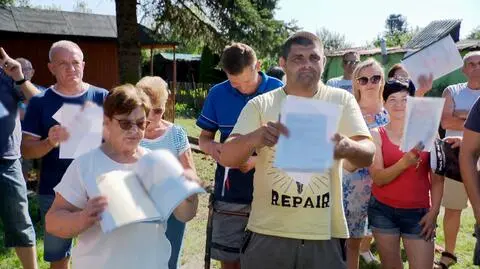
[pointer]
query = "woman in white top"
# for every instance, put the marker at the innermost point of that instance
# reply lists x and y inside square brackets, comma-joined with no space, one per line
[75,213]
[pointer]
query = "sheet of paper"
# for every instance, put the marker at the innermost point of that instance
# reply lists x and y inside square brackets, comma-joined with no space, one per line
[422,119]
[128,201]
[162,177]
[439,58]
[3,111]
[84,126]
[311,124]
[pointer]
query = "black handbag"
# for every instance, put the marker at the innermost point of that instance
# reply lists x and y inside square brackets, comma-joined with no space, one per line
[444,160]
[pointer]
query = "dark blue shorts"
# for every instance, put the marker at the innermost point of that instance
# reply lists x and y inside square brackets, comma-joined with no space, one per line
[396,221]
[14,214]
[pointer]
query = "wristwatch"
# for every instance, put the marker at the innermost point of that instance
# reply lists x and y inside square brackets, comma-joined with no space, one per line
[20,82]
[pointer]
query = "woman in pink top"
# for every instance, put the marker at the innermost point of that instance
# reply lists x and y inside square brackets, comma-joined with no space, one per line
[400,206]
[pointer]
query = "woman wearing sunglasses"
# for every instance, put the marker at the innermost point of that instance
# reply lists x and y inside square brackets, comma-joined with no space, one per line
[368,81]
[77,212]
[162,134]
[398,72]
[406,194]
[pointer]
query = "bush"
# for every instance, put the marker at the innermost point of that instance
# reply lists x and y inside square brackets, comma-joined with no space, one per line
[185,111]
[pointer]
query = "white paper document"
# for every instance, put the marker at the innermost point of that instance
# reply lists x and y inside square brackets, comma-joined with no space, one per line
[85,127]
[422,119]
[3,111]
[311,124]
[149,193]
[439,59]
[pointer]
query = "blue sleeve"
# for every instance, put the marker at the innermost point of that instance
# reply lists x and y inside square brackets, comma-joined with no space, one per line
[473,120]
[208,117]
[32,121]
[181,140]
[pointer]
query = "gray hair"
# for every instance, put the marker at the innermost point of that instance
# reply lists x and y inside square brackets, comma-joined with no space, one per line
[63,44]
[24,63]
[470,54]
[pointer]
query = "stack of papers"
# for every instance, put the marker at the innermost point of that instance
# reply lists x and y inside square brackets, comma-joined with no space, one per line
[422,120]
[309,148]
[85,126]
[149,193]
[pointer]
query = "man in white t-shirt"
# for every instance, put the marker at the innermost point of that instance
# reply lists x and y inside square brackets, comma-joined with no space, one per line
[459,100]
[350,60]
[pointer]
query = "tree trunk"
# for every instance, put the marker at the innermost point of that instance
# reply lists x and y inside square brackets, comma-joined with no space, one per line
[128,41]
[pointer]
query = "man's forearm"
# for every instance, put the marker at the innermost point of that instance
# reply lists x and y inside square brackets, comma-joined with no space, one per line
[205,144]
[470,177]
[35,149]
[362,153]
[237,150]
[29,90]
[453,123]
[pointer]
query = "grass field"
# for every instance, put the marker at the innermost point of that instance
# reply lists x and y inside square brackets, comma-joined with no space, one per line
[194,244]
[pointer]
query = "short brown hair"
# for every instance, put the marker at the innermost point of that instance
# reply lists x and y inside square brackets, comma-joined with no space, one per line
[393,70]
[156,88]
[350,52]
[236,57]
[124,99]
[302,38]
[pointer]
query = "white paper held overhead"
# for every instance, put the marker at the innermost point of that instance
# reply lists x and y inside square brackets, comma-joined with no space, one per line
[438,59]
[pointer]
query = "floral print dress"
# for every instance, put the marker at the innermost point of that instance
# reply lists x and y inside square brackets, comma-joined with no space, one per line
[357,187]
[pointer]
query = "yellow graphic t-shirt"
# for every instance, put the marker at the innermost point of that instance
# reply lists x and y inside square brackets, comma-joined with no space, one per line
[283,207]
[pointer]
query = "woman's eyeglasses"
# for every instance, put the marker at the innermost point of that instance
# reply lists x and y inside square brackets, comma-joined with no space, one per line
[128,124]
[373,79]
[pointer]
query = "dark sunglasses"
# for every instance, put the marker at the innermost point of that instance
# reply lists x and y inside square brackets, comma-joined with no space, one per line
[351,62]
[373,79]
[128,124]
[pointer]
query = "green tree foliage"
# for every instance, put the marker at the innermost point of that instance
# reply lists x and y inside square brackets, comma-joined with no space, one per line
[215,23]
[332,40]
[397,32]
[475,33]
[4,3]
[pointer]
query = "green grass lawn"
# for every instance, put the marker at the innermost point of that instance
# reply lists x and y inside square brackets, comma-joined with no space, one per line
[194,244]
[191,128]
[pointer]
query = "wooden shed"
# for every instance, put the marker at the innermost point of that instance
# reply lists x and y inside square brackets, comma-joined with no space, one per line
[29,33]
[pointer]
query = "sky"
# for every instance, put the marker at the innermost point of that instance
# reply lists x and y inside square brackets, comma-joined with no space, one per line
[360,21]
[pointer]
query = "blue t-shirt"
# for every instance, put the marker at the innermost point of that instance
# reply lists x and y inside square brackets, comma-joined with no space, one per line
[473,121]
[10,130]
[220,112]
[38,120]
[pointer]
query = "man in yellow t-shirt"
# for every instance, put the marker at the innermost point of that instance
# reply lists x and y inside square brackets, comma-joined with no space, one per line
[293,225]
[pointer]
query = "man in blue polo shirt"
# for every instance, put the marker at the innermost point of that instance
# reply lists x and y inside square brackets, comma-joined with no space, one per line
[233,185]
[42,134]
[17,224]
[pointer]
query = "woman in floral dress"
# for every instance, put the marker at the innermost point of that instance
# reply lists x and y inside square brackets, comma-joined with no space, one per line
[368,82]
